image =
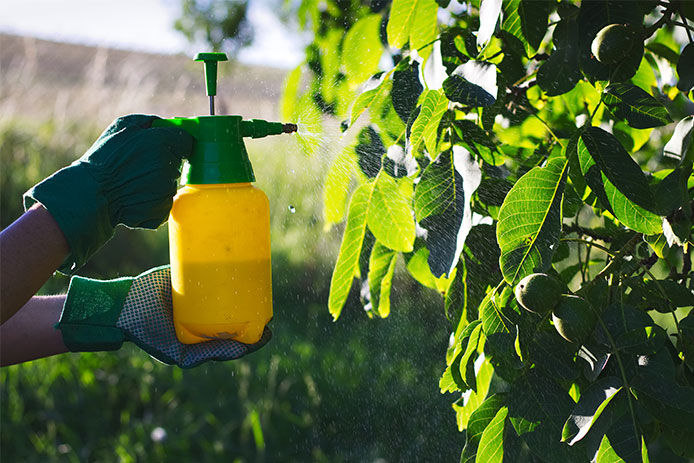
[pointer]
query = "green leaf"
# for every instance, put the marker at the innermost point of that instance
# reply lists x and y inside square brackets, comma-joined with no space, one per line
[663,51]
[413,21]
[370,150]
[491,445]
[469,355]
[530,221]
[347,264]
[442,206]
[390,213]
[622,444]
[423,29]
[381,268]
[361,50]
[551,353]
[481,258]
[467,404]
[633,330]
[589,408]
[472,84]
[527,21]
[658,244]
[330,61]
[638,108]
[496,313]
[454,299]
[368,98]
[478,141]
[678,145]
[489,14]
[651,292]
[479,420]
[336,187]
[406,90]
[425,127]
[555,77]
[621,184]
[685,69]
[418,267]
[289,99]
[538,408]
[664,399]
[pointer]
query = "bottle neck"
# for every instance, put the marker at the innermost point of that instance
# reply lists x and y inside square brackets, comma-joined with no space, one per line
[206,186]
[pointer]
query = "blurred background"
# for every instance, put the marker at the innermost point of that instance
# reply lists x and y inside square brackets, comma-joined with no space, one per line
[356,390]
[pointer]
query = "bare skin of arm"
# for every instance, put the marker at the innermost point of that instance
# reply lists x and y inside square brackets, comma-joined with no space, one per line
[29,334]
[31,249]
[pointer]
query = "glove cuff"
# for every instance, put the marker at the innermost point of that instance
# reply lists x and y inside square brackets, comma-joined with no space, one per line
[85,224]
[92,307]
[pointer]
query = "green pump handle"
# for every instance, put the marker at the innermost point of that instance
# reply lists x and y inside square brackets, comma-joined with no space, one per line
[211,60]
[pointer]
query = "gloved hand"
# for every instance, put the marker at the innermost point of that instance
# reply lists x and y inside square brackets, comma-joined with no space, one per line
[128,176]
[99,315]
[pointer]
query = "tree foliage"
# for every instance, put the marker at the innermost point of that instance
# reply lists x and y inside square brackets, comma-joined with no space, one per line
[488,143]
[221,24]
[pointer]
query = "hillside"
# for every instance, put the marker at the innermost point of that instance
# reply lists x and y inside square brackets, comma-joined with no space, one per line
[44,80]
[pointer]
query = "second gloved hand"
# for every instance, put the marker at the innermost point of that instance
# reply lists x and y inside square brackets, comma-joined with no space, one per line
[128,176]
[100,315]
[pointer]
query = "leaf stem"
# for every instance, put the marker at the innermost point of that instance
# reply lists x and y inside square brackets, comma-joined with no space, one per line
[548,128]
[523,79]
[590,243]
[595,110]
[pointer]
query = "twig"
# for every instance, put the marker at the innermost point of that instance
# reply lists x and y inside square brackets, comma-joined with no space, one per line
[663,19]
[575,228]
[686,27]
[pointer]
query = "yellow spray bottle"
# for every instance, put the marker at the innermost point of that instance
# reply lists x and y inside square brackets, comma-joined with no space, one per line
[219,228]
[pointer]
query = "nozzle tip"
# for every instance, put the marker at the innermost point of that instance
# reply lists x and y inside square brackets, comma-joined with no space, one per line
[289,128]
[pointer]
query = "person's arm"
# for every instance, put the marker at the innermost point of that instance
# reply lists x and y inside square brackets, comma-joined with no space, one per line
[30,334]
[31,249]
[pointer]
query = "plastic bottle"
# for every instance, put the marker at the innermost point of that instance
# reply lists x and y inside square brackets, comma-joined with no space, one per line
[219,232]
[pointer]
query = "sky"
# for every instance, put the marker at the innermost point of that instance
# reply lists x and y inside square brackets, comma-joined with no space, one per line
[143,25]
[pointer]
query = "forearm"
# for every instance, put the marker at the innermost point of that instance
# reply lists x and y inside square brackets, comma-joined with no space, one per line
[31,249]
[29,334]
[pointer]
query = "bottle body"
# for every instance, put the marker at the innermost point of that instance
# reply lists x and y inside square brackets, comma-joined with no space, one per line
[219,240]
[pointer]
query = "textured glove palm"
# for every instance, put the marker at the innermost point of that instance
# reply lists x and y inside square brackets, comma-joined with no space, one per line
[128,176]
[100,315]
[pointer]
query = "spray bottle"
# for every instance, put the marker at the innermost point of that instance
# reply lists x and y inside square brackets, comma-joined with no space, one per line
[219,228]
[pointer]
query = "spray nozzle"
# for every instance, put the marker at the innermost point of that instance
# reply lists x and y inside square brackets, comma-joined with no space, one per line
[258,128]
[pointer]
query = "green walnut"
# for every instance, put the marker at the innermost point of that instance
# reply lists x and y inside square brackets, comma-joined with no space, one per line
[573,318]
[538,293]
[613,43]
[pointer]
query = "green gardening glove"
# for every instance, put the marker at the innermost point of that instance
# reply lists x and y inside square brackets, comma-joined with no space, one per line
[100,315]
[128,176]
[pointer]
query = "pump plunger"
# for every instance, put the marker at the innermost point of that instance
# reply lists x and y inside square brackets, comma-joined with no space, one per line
[210,60]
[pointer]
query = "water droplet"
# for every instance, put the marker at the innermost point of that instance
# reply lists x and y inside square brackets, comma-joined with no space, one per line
[292,209]
[158,434]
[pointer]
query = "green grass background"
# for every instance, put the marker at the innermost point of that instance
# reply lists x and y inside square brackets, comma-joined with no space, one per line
[355,390]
